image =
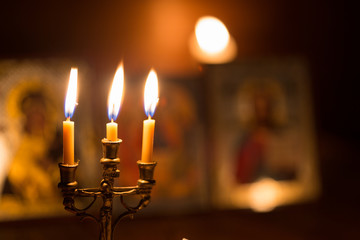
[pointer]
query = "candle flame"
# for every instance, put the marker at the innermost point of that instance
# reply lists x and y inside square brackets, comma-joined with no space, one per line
[211,34]
[151,93]
[116,93]
[70,100]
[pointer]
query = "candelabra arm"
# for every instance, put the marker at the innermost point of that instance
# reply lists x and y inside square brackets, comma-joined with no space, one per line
[69,205]
[119,191]
[122,216]
[87,207]
[124,189]
[143,189]
[144,201]
[88,192]
[82,213]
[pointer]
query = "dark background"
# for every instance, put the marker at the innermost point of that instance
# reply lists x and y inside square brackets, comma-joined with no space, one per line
[154,34]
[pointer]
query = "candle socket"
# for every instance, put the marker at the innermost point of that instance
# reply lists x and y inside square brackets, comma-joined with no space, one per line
[146,172]
[67,176]
[110,159]
[110,149]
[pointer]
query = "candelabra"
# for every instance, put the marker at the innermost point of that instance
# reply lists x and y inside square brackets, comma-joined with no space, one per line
[107,191]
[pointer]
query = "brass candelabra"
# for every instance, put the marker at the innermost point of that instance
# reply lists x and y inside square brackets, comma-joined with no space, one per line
[107,191]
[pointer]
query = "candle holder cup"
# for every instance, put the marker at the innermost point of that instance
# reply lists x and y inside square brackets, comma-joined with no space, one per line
[67,175]
[107,191]
[146,172]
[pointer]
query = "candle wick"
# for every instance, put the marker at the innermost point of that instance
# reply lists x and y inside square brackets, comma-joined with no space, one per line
[112,120]
[68,119]
[149,117]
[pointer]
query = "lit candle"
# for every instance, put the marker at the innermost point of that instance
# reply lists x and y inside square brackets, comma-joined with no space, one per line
[68,126]
[151,98]
[114,102]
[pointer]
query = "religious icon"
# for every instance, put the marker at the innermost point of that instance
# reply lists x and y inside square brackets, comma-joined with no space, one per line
[266,155]
[267,142]
[30,137]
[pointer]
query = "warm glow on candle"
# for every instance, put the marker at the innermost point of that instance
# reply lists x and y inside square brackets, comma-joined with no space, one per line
[68,126]
[211,34]
[115,95]
[70,100]
[114,102]
[151,98]
[151,94]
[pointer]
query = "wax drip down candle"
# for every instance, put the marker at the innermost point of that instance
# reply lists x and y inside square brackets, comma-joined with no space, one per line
[68,125]
[151,98]
[114,102]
